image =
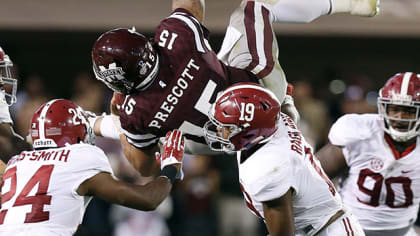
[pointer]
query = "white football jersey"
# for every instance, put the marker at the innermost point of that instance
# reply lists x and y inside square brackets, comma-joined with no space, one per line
[382,190]
[285,162]
[39,191]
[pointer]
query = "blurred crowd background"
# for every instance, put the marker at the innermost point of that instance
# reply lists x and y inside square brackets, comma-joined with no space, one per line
[333,74]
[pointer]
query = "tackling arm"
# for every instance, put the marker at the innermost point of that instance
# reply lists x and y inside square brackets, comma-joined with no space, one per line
[332,160]
[109,126]
[146,197]
[195,7]
[142,160]
[278,214]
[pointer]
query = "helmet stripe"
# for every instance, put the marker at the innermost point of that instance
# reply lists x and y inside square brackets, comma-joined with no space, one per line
[405,83]
[239,86]
[151,76]
[41,119]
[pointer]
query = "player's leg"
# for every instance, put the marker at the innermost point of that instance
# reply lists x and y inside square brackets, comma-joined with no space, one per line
[344,225]
[303,11]
[250,43]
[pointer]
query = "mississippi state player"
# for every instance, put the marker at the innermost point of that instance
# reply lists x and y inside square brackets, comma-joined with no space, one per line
[280,178]
[46,191]
[381,155]
[171,81]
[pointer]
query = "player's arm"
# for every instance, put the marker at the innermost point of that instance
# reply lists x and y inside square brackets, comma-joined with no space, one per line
[195,7]
[109,126]
[6,130]
[332,160]
[2,168]
[278,214]
[141,197]
[143,161]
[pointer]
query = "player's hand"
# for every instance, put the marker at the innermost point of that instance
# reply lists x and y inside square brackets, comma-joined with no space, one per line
[4,110]
[6,122]
[288,106]
[173,150]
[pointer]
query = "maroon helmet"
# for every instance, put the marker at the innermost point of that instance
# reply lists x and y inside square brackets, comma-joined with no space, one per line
[8,84]
[125,60]
[403,89]
[60,122]
[249,111]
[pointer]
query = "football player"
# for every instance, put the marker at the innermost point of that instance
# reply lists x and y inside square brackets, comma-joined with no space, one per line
[250,42]
[46,191]
[8,85]
[169,82]
[280,178]
[380,154]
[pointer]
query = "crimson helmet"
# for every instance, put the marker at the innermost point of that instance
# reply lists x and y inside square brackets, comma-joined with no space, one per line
[60,122]
[125,60]
[403,89]
[8,84]
[250,113]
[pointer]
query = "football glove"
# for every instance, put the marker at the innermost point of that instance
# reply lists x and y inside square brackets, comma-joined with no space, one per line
[173,151]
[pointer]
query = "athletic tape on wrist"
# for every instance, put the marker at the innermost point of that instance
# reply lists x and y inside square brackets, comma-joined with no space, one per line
[170,172]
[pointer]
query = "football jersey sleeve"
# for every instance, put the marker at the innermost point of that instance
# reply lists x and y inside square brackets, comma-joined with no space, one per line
[90,162]
[348,129]
[352,128]
[273,181]
[188,29]
[141,141]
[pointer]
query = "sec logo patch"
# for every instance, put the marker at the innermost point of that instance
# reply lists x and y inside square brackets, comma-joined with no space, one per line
[376,164]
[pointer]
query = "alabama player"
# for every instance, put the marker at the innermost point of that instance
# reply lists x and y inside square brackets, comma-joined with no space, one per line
[169,82]
[8,86]
[380,154]
[46,191]
[280,178]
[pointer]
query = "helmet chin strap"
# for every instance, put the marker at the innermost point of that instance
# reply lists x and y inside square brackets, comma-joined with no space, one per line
[401,136]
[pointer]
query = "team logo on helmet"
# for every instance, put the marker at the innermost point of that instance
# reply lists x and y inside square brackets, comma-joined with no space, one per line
[143,68]
[112,73]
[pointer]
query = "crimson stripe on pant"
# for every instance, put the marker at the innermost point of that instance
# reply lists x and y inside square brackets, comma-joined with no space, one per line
[268,44]
[348,222]
[347,226]
[249,21]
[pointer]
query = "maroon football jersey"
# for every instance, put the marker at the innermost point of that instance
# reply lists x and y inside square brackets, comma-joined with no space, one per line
[189,79]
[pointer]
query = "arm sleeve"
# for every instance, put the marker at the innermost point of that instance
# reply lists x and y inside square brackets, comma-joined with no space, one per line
[4,110]
[141,141]
[187,27]
[273,183]
[300,11]
[110,127]
[94,162]
[345,130]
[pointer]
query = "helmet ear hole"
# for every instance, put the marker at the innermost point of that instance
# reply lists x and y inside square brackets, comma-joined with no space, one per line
[264,106]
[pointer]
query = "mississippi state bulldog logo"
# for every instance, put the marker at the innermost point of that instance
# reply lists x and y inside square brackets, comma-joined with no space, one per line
[376,164]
